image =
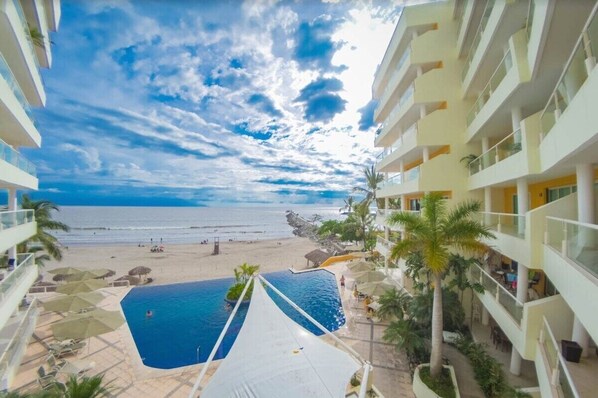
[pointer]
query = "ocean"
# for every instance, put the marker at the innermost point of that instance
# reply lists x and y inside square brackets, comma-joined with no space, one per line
[99,225]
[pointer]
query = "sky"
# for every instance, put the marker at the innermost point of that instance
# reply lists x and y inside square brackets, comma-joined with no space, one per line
[210,103]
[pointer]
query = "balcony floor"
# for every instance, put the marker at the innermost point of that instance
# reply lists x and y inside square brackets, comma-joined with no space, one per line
[584,374]
[527,378]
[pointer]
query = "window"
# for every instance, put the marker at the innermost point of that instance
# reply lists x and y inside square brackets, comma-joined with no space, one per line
[553,194]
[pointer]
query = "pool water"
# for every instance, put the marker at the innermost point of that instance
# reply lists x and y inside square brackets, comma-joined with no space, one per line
[186,316]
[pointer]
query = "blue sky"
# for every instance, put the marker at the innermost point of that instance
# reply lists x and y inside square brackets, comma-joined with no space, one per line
[216,103]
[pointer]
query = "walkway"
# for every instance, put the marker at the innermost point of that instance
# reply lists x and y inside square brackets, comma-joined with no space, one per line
[468,386]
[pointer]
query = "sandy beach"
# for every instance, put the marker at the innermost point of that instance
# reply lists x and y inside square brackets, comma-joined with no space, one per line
[188,262]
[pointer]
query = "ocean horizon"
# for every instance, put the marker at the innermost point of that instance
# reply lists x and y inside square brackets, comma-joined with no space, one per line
[151,225]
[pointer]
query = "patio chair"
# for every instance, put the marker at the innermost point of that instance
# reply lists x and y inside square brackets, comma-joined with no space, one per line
[72,349]
[47,381]
[54,364]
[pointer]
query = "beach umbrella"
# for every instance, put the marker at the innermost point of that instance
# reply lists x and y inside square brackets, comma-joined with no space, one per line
[75,302]
[88,324]
[109,273]
[368,276]
[133,280]
[141,270]
[88,274]
[360,266]
[60,277]
[377,288]
[65,271]
[81,286]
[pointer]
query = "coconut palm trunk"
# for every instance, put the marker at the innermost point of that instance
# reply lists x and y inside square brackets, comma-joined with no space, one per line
[437,322]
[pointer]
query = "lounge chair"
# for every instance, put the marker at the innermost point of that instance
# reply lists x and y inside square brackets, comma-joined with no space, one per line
[78,367]
[71,349]
[54,364]
[47,381]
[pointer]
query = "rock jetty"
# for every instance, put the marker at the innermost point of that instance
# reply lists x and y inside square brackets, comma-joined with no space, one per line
[306,229]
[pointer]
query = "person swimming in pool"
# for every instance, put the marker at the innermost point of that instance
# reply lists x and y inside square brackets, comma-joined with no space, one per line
[149,313]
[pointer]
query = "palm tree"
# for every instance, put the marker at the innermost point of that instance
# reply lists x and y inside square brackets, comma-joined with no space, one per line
[432,234]
[372,180]
[349,203]
[360,221]
[43,216]
[393,304]
[86,387]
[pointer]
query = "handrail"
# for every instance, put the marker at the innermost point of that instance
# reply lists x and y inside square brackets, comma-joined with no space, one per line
[11,80]
[399,65]
[560,358]
[529,19]
[499,285]
[25,24]
[478,35]
[495,147]
[12,218]
[14,157]
[570,59]
[18,336]
[489,85]
[566,221]
[502,214]
[8,283]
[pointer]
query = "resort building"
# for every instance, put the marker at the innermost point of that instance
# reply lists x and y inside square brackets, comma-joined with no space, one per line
[496,101]
[24,49]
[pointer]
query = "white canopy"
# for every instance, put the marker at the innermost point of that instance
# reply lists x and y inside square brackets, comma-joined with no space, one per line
[275,357]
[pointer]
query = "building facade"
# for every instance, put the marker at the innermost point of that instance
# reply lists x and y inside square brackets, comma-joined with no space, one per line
[495,101]
[25,47]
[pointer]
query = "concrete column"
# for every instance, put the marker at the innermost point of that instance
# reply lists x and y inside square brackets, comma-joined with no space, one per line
[585,211]
[516,118]
[426,154]
[515,367]
[12,205]
[404,202]
[522,282]
[485,144]
[487,205]
[522,201]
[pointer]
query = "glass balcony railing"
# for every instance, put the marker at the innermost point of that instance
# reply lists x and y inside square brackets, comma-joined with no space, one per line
[397,68]
[509,302]
[497,77]
[573,77]
[530,19]
[404,98]
[412,130]
[412,174]
[395,179]
[559,373]
[478,37]
[7,74]
[20,340]
[13,218]
[510,224]
[574,240]
[507,147]
[24,262]
[25,25]
[461,14]
[9,155]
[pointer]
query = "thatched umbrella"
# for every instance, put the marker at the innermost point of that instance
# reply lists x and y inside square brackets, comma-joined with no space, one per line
[109,273]
[317,257]
[60,277]
[141,270]
[133,280]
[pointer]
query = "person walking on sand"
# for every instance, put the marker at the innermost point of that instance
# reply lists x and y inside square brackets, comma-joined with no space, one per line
[342,280]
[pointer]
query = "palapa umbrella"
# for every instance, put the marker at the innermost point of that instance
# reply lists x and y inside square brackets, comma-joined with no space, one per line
[377,288]
[81,286]
[360,266]
[75,302]
[60,277]
[141,270]
[368,276]
[88,274]
[133,280]
[64,271]
[88,324]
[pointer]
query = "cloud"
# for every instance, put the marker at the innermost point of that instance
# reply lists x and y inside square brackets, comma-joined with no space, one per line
[367,115]
[265,104]
[314,46]
[321,103]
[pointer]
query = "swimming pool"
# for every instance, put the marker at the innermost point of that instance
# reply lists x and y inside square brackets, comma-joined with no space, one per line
[191,315]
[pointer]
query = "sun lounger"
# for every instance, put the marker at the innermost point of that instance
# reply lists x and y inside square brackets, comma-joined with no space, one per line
[71,349]
[54,364]
[78,367]
[48,380]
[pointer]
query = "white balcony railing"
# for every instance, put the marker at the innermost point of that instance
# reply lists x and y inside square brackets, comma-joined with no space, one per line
[406,96]
[507,147]
[398,143]
[575,240]
[20,339]
[560,377]
[7,74]
[395,179]
[10,155]
[506,223]
[478,37]
[24,262]
[13,218]
[502,296]
[400,64]
[573,76]
[497,77]
[530,19]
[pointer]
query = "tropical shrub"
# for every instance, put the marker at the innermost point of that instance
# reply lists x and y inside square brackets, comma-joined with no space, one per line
[242,275]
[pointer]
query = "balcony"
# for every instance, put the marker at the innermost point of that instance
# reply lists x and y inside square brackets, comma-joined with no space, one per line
[552,369]
[16,170]
[383,246]
[15,112]
[394,116]
[15,227]
[477,38]
[499,293]
[510,233]
[35,13]
[567,121]
[15,337]
[52,8]
[571,263]
[406,139]
[15,284]
[19,50]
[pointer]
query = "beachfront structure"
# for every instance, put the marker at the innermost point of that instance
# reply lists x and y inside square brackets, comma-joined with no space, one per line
[24,49]
[495,101]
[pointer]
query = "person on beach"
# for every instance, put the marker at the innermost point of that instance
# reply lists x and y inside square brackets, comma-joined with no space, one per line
[342,280]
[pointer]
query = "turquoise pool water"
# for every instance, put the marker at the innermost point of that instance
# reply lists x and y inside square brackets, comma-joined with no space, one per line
[191,315]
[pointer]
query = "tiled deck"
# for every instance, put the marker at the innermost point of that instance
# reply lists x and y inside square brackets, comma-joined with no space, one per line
[115,355]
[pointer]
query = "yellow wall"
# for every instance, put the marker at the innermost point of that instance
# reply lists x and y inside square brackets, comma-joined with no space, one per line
[537,192]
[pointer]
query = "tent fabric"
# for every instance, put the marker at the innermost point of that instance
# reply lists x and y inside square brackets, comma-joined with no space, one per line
[275,357]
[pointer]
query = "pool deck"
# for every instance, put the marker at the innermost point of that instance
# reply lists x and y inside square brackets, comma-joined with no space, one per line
[115,354]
